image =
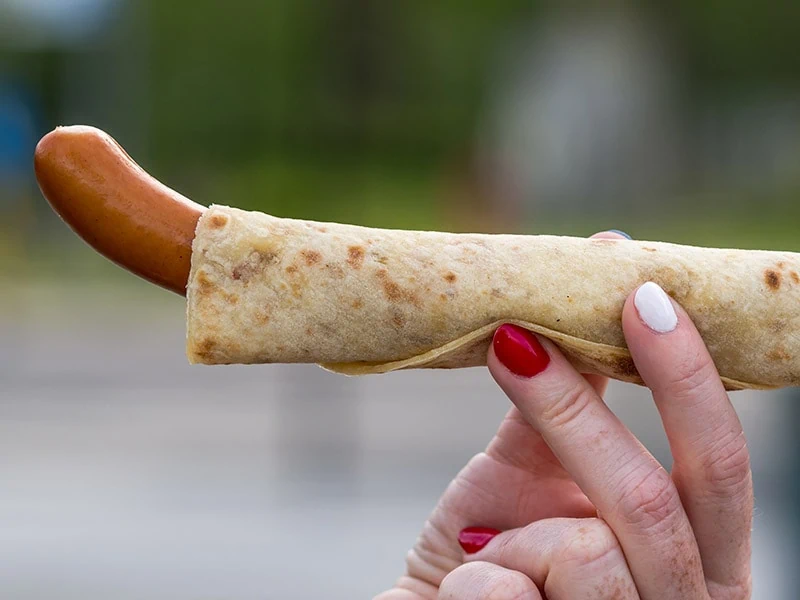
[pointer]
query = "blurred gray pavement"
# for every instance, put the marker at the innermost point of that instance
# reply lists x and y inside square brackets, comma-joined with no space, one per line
[127,474]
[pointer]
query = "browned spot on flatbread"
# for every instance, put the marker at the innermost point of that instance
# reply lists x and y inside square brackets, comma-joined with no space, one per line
[217,221]
[777,325]
[335,270]
[355,256]
[795,277]
[262,316]
[309,331]
[450,277]
[311,257]
[781,264]
[778,353]
[773,279]
[291,269]
[623,366]
[322,229]
[648,249]
[253,265]
[393,291]
[204,284]
[357,304]
[378,257]
[398,320]
[207,287]
[443,297]
[206,348]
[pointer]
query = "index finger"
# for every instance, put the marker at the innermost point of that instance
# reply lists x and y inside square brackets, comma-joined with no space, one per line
[632,491]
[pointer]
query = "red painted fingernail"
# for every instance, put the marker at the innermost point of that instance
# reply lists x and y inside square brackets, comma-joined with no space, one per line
[520,351]
[473,539]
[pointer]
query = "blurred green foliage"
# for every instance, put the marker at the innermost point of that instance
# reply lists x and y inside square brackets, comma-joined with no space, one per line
[365,111]
[338,110]
[398,80]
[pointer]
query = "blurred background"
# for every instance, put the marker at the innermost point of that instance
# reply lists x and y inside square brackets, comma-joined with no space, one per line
[126,474]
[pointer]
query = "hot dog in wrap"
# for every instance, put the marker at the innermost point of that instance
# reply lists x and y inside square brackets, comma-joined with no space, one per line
[359,300]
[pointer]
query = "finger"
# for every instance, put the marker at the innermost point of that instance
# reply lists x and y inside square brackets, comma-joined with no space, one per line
[408,588]
[484,581]
[520,445]
[599,382]
[632,491]
[711,462]
[566,558]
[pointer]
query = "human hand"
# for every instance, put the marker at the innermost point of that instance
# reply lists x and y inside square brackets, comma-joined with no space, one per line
[584,509]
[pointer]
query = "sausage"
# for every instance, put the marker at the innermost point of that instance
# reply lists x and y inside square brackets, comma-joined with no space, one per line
[116,207]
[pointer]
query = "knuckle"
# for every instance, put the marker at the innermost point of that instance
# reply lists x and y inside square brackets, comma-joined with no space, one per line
[653,504]
[726,467]
[589,543]
[567,406]
[512,585]
[693,373]
[740,590]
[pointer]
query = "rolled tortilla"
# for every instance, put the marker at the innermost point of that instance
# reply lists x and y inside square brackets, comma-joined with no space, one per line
[358,300]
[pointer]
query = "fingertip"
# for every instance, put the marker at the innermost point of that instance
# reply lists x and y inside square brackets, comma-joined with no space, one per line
[650,310]
[660,334]
[611,234]
[519,351]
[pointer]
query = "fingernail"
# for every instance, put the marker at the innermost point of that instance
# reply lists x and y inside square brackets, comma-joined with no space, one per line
[520,351]
[654,308]
[473,539]
[622,233]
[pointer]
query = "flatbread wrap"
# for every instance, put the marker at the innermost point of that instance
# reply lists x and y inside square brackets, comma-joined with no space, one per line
[358,300]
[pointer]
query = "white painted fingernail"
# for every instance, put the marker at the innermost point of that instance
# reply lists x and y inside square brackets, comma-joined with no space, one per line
[655,308]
